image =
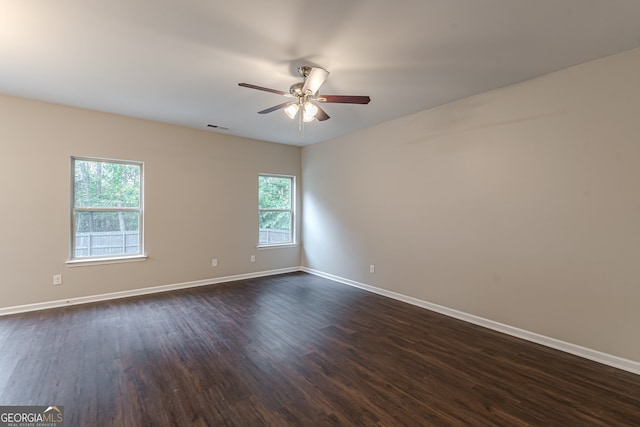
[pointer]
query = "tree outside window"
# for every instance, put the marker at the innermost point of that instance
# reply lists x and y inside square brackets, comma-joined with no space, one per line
[106,214]
[276,209]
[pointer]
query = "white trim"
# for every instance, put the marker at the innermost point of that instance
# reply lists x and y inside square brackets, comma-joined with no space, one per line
[83,262]
[277,246]
[586,353]
[142,291]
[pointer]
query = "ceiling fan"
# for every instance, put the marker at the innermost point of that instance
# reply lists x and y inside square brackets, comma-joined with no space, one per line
[305,96]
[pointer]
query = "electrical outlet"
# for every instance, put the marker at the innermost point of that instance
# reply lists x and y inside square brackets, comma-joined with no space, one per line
[214,262]
[372,269]
[253,258]
[57,279]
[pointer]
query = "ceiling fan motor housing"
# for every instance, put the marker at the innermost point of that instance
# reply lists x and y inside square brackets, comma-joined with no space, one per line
[304,71]
[296,89]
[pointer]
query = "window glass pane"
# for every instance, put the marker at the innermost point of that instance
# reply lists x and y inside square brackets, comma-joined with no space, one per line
[102,184]
[275,209]
[106,233]
[274,192]
[88,222]
[275,227]
[107,208]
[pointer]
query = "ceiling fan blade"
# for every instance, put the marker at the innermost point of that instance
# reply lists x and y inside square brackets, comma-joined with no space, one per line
[266,89]
[276,107]
[314,80]
[344,99]
[321,115]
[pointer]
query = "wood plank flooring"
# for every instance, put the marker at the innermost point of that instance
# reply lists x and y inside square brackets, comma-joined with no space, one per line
[295,350]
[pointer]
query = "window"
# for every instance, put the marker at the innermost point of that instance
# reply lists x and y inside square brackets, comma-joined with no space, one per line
[106,208]
[275,208]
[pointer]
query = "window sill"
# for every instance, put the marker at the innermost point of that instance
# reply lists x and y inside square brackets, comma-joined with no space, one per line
[280,246]
[99,261]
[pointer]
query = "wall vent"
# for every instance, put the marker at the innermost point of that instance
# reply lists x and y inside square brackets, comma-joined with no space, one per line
[217,127]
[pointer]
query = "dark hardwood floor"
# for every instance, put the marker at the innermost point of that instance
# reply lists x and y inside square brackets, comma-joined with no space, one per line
[295,350]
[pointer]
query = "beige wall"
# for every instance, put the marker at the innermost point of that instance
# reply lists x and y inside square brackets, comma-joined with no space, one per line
[521,205]
[200,201]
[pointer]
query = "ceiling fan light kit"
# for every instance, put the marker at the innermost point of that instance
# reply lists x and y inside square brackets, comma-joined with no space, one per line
[306,96]
[309,112]
[292,110]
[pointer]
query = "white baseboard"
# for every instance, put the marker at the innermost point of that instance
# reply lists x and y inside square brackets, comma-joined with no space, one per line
[587,353]
[142,291]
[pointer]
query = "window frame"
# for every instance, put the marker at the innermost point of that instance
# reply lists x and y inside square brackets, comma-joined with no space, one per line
[73,259]
[292,211]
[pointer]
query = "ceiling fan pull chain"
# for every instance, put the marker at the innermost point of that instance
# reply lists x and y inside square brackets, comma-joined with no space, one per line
[300,122]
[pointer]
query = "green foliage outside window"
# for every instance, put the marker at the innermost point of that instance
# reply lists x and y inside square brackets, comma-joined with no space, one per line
[106,185]
[275,209]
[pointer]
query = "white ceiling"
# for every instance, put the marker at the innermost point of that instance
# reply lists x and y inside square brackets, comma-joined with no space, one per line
[180,61]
